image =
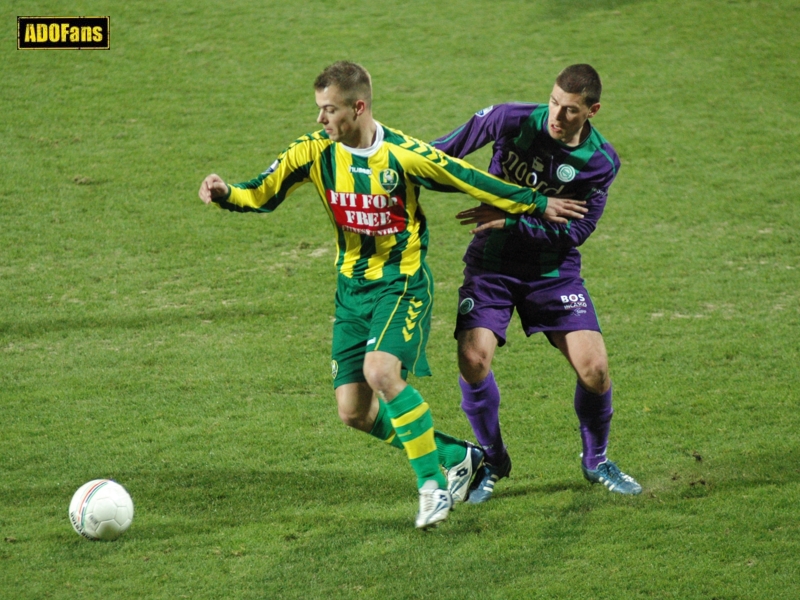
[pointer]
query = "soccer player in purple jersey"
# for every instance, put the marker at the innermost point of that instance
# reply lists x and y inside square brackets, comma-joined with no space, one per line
[525,263]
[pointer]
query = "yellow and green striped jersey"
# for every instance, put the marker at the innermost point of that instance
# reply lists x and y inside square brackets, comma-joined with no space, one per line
[372,196]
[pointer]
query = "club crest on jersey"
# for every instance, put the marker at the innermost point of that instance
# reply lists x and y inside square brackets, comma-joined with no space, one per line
[389,180]
[566,173]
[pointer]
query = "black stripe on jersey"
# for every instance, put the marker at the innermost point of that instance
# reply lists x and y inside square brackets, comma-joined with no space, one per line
[297,176]
[362,185]
[362,180]
[327,164]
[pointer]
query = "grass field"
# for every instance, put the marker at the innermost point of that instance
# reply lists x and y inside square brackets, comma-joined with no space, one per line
[185,351]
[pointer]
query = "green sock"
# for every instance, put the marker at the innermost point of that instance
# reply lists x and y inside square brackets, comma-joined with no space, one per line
[451,451]
[413,422]
[382,429]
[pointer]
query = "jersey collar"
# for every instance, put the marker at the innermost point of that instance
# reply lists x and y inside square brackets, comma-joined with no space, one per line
[367,152]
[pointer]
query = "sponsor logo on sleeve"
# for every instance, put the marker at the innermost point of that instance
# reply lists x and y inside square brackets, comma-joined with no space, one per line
[63,33]
[271,169]
[484,111]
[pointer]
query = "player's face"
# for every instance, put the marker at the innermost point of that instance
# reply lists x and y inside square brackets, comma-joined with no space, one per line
[568,116]
[339,119]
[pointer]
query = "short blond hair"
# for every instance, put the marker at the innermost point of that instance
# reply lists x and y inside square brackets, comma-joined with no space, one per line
[353,81]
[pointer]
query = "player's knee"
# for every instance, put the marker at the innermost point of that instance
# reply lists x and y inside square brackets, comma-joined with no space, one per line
[594,376]
[346,417]
[474,363]
[352,417]
[382,372]
[376,377]
[382,380]
[356,406]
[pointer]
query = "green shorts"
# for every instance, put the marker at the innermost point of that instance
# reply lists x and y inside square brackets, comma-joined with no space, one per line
[390,315]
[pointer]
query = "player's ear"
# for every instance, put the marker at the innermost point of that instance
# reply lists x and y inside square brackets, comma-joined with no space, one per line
[360,106]
[593,109]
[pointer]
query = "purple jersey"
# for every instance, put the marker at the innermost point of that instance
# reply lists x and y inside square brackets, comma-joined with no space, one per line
[525,154]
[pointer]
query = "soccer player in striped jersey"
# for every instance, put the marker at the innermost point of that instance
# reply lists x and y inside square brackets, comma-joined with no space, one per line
[522,262]
[369,177]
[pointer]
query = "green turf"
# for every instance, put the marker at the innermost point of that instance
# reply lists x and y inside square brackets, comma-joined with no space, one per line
[185,351]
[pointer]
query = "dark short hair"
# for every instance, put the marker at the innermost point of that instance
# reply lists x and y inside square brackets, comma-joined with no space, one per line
[352,79]
[581,79]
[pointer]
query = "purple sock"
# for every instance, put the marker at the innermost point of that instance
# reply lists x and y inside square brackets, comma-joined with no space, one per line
[594,415]
[481,403]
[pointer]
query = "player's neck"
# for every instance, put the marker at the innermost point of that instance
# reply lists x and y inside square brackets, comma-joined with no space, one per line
[366,133]
[364,150]
[581,137]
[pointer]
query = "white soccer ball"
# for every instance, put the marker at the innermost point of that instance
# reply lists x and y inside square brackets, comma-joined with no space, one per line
[101,510]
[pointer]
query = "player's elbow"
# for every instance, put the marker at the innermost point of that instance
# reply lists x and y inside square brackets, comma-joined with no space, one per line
[578,235]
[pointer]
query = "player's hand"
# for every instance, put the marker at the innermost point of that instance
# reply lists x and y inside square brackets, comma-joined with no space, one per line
[486,216]
[560,210]
[213,187]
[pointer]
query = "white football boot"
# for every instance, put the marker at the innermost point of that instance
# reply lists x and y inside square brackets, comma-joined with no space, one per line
[434,505]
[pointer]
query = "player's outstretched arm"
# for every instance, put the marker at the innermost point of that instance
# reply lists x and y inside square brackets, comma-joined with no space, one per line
[213,187]
[559,210]
[486,217]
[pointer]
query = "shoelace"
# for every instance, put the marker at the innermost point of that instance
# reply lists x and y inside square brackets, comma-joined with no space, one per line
[613,471]
[429,500]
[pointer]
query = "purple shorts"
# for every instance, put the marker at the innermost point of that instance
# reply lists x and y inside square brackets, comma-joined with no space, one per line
[487,299]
